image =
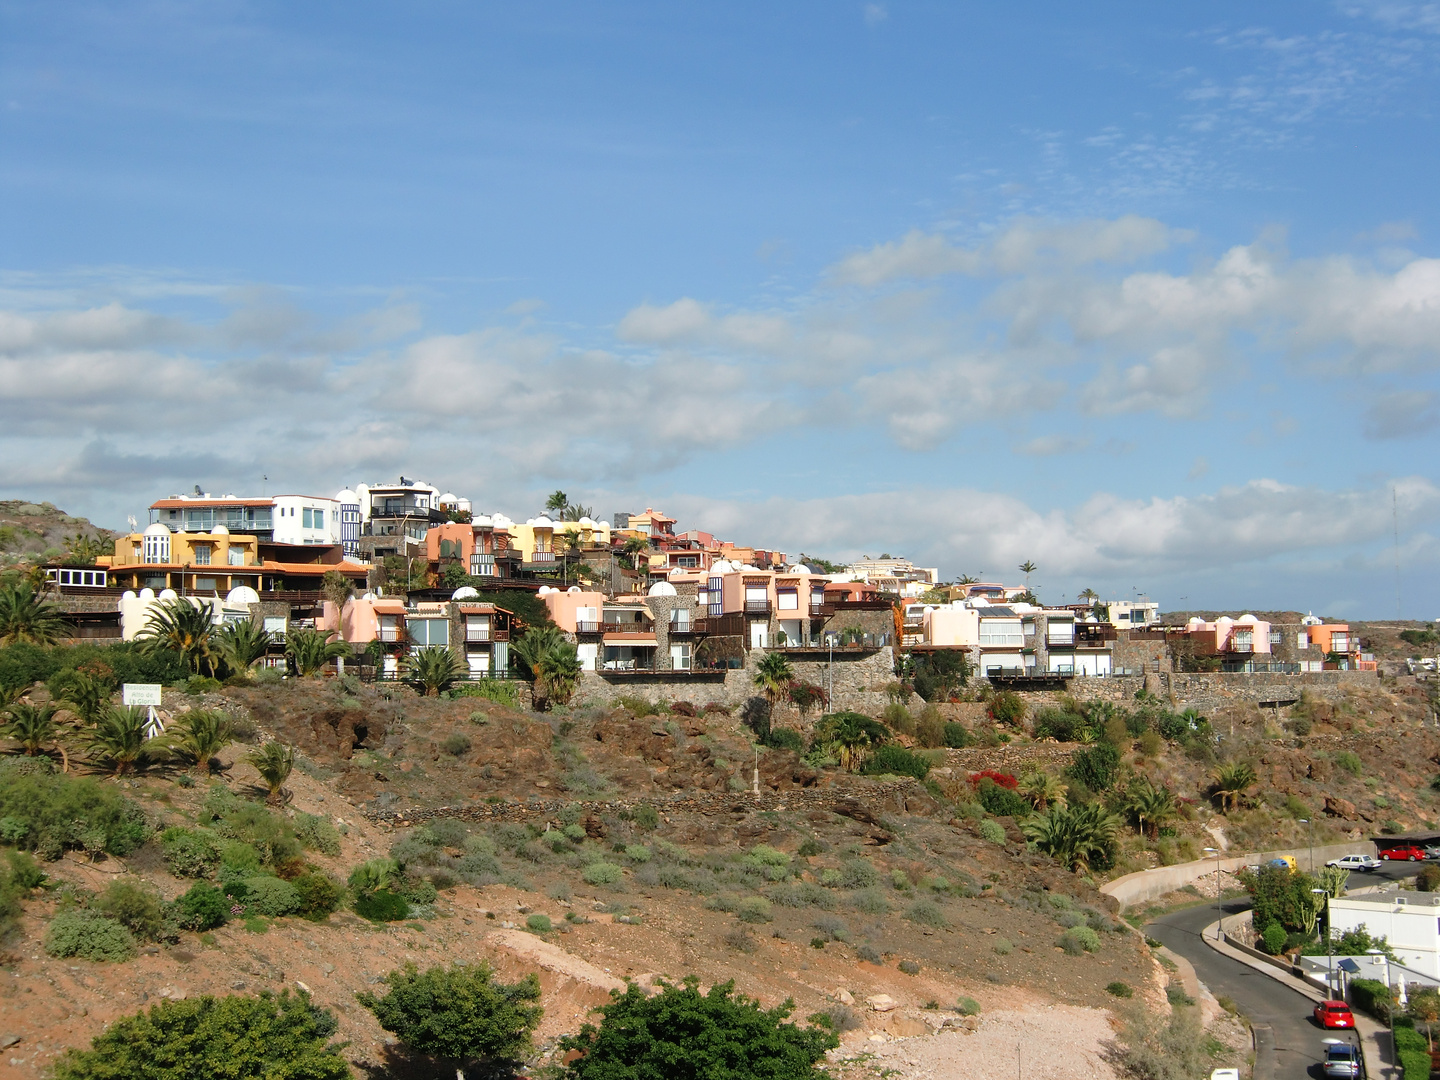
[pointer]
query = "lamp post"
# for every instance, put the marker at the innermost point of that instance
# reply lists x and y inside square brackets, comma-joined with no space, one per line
[1311,829]
[1329,947]
[1219,916]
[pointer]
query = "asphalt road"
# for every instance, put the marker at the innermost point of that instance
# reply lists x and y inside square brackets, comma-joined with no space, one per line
[1277,1012]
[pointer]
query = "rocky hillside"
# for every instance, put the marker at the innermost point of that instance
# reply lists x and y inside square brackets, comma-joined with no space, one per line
[31,532]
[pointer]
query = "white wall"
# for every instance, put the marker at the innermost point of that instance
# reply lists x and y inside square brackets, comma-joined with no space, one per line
[1412,928]
[289,520]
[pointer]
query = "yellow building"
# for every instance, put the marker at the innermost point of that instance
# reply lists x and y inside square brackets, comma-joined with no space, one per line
[541,541]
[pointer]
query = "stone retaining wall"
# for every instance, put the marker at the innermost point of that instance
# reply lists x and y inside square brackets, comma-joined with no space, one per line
[1208,692]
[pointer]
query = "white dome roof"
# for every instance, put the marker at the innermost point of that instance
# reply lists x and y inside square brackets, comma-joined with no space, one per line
[1195,620]
[369,596]
[158,529]
[346,496]
[574,590]
[1311,620]
[545,590]
[128,594]
[219,530]
[449,497]
[1247,618]
[484,521]
[662,588]
[465,592]
[147,594]
[723,566]
[168,594]
[585,521]
[500,521]
[242,594]
[541,522]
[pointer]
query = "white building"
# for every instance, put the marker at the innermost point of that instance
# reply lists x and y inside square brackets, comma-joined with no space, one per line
[306,519]
[1408,921]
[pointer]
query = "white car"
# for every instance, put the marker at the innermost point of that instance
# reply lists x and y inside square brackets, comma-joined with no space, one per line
[1356,862]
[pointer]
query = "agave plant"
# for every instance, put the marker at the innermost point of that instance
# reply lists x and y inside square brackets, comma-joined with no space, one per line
[200,734]
[311,650]
[1077,837]
[120,738]
[241,645]
[434,669]
[25,618]
[32,726]
[273,762]
[185,628]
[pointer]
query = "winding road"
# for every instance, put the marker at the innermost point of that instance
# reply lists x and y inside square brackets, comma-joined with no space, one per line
[1277,1012]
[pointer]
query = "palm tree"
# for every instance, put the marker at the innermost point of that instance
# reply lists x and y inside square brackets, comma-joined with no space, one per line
[1230,782]
[273,762]
[81,693]
[632,547]
[32,726]
[966,579]
[1027,568]
[434,669]
[849,735]
[182,627]
[553,664]
[1151,805]
[201,734]
[1075,836]
[1089,594]
[311,650]
[119,738]
[773,675]
[24,617]
[1043,789]
[556,503]
[241,645]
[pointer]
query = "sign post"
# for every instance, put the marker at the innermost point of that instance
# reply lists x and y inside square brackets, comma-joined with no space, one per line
[148,695]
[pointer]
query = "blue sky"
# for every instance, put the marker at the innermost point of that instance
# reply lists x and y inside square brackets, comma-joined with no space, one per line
[1145,293]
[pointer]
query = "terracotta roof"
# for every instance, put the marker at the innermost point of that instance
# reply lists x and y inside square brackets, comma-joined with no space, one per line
[177,504]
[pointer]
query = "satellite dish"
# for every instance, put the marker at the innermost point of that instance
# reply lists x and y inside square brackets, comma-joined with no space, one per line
[132,523]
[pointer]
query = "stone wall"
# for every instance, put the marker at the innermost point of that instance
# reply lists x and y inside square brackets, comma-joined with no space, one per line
[1208,692]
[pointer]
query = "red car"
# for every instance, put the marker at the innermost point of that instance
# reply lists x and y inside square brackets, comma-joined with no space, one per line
[1334,1014]
[1409,851]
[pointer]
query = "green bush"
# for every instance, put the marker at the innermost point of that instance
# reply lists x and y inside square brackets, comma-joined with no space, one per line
[456,744]
[658,1038]
[89,936]
[909,967]
[133,907]
[540,924]
[857,874]
[417,890]
[754,909]
[784,738]
[967,1006]
[1007,707]
[190,853]
[957,736]
[1120,989]
[317,896]
[1349,761]
[1097,767]
[1079,939]
[203,907]
[896,760]
[271,896]
[238,860]
[239,1038]
[927,913]
[1001,801]
[234,818]
[1413,1050]
[646,817]
[500,691]
[992,831]
[637,853]
[382,905]
[1274,939]
[47,812]
[602,873]
[1371,996]
[460,1014]
[317,834]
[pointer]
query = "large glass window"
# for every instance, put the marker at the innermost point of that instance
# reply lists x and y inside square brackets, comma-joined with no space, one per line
[202,554]
[428,632]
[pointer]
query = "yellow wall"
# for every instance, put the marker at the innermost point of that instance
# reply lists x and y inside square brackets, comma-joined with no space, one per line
[524,535]
[130,550]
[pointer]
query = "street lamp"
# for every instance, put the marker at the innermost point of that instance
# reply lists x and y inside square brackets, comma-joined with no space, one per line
[1329,949]
[1311,824]
[1219,917]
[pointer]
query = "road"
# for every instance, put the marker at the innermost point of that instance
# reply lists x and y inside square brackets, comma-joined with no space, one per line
[1266,1002]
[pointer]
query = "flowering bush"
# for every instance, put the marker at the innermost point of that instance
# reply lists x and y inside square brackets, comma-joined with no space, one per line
[1001,779]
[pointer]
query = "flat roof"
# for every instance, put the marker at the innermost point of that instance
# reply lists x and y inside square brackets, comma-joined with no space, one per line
[1398,839]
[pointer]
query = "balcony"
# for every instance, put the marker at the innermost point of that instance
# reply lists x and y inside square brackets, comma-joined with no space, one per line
[541,557]
[681,629]
[757,607]
[588,626]
[486,633]
[390,634]
[482,565]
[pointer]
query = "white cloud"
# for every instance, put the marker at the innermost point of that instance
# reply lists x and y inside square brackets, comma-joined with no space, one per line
[1402,415]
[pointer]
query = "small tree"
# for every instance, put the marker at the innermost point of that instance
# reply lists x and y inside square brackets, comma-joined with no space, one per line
[273,762]
[239,1038]
[1230,782]
[773,675]
[434,669]
[185,627]
[119,738]
[25,618]
[201,734]
[32,726]
[241,645]
[681,1034]
[460,1014]
[311,650]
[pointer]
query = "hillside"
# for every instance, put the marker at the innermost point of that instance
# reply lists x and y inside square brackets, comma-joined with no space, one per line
[594,845]
[38,531]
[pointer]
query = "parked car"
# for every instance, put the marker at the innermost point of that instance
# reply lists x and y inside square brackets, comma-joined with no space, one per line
[1432,851]
[1405,852]
[1224,1074]
[1342,1061]
[1334,1014]
[1356,862]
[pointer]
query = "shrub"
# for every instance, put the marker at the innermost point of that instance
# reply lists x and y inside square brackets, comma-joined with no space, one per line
[741,941]
[1349,761]
[539,924]
[1001,801]
[900,880]
[646,817]
[838,1018]
[1370,996]
[133,907]
[317,834]
[857,874]
[1097,767]
[956,735]
[316,896]
[382,905]
[869,954]
[638,853]
[896,760]
[189,853]
[456,744]
[1120,989]
[459,1014]
[652,1037]
[271,896]
[754,909]
[500,691]
[602,873]
[784,738]
[810,846]
[203,907]
[1004,946]
[832,928]
[239,1037]
[898,718]
[1428,880]
[967,1006]
[909,967]
[1079,940]
[1006,707]
[47,812]
[926,913]
[88,935]
[992,831]
[417,890]
[1274,939]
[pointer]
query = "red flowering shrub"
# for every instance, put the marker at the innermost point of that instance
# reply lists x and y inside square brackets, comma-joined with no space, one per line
[1001,779]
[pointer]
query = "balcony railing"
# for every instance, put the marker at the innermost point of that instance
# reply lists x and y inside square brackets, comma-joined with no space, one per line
[541,557]
[1240,647]
[482,565]
[587,626]
[686,627]
[389,633]
[757,607]
[486,633]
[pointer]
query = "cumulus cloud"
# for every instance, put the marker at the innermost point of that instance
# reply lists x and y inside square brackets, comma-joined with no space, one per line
[1402,415]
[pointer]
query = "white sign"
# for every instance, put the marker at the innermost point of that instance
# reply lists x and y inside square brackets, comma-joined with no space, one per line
[136,693]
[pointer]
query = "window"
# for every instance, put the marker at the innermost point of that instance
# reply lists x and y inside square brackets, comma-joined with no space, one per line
[429,632]
[205,584]
[788,599]
[157,548]
[1302,640]
[680,619]
[235,556]
[1276,637]
[680,657]
[202,554]
[275,624]
[1001,632]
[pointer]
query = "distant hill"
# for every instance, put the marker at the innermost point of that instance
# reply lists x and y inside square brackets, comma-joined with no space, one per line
[31,531]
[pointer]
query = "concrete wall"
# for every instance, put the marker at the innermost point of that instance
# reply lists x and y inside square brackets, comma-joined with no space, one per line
[1149,884]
